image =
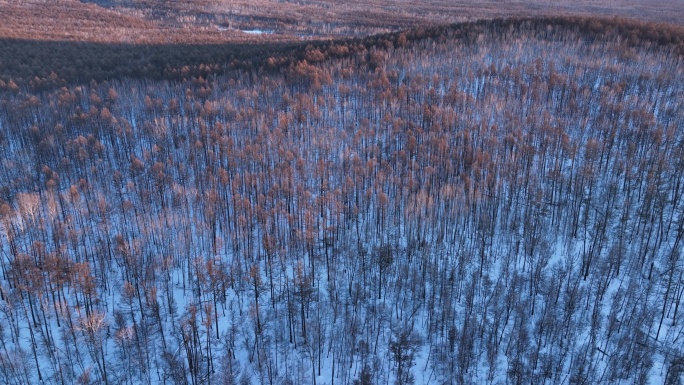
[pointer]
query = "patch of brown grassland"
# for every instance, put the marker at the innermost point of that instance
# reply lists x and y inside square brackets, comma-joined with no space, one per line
[221,21]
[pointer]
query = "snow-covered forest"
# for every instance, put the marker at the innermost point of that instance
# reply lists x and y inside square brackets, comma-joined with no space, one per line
[500,204]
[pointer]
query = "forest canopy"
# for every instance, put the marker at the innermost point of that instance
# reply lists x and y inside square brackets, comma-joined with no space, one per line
[489,202]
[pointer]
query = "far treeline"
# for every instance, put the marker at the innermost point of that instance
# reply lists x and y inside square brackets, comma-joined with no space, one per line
[44,65]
